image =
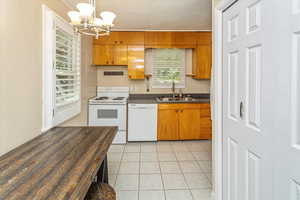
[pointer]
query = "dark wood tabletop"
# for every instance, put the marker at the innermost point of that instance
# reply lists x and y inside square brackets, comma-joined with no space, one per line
[59,164]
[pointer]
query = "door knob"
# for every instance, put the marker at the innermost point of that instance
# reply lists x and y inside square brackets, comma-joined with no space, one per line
[241,110]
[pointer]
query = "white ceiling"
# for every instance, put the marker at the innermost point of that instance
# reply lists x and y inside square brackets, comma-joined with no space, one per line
[158,14]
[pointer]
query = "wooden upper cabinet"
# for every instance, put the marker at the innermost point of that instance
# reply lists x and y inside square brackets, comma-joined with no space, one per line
[202,62]
[110,55]
[153,39]
[186,38]
[119,53]
[102,55]
[132,38]
[112,38]
[136,62]
[122,38]
[204,38]
[176,39]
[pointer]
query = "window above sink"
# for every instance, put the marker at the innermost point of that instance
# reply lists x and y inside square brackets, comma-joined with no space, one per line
[168,66]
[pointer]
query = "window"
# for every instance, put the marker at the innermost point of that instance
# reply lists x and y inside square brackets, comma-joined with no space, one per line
[67,66]
[61,70]
[168,66]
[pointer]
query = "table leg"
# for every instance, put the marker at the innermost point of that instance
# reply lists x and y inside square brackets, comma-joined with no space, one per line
[103,172]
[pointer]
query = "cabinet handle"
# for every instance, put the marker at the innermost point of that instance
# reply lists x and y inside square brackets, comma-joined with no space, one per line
[181,110]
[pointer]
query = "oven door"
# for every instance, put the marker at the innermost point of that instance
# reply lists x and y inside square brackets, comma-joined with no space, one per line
[108,115]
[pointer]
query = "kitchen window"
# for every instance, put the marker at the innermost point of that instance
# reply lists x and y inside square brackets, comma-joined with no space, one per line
[168,66]
[61,71]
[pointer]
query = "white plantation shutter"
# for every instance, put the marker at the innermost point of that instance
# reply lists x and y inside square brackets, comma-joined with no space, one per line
[67,61]
[168,65]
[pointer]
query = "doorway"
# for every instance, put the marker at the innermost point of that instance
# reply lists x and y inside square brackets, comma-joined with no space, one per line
[256,90]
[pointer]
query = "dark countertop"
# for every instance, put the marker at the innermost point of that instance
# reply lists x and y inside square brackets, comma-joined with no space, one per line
[59,164]
[151,98]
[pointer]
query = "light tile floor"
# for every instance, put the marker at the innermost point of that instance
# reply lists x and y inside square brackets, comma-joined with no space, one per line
[161,170]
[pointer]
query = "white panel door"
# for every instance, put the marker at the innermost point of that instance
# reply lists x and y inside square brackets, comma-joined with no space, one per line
[249,63]
[287,177]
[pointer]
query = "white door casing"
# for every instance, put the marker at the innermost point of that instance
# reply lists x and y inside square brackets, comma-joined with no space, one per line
[250,61]
[287,179]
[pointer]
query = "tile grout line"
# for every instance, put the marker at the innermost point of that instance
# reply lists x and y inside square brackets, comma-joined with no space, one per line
[140,160]
[190,190]
[161,175]
[118,171]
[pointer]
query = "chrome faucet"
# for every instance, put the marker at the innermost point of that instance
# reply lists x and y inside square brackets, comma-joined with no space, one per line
[180,93]
[173,89]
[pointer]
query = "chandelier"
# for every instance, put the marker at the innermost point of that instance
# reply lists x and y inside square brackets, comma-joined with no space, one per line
[86,22]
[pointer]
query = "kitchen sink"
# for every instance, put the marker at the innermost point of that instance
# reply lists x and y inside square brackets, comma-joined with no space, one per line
[175,99]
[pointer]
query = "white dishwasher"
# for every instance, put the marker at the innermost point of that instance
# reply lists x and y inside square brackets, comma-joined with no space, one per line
[142,122]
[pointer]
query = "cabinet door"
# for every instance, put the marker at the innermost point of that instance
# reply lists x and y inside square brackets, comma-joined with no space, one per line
[203,62]
[136,65]
[158,39]
[184,38]
[205,122]
[102,54]
[110,39]
[204,38]
[168,125]
[120,55]
[189,124]
[131,38]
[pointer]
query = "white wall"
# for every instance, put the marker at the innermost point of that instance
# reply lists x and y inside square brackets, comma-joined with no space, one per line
[21,69]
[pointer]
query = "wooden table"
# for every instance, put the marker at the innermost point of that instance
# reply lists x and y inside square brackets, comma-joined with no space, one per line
[59,164]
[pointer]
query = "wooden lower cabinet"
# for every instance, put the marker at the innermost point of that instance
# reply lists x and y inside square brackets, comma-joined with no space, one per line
[189,124]
[168,128]
[184,122]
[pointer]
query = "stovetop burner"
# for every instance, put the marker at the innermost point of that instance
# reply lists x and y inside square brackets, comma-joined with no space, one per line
[118,98]
[102,98]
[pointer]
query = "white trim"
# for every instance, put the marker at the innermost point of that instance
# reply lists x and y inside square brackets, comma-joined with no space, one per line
[47,69]
[52,116]
[218,96]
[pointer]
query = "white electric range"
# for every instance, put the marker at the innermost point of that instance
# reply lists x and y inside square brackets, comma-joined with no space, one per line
[109,108]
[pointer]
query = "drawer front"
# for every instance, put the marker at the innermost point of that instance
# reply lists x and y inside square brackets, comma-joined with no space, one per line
[168,106]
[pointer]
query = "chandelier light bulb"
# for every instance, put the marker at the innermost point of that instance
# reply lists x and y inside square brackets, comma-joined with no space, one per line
[75,17]
[86,9]
[108,17]
[98,22]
